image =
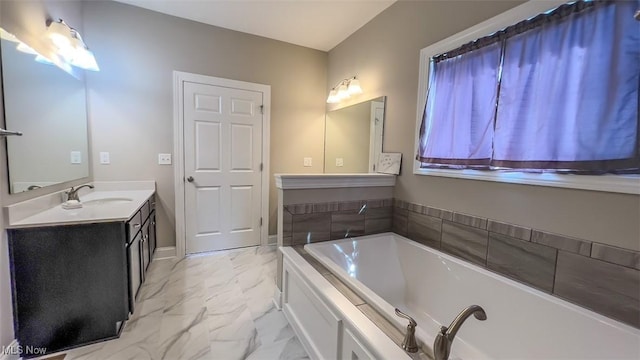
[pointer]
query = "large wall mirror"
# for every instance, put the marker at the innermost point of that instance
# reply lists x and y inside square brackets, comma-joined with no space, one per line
[353,137]
[49,107]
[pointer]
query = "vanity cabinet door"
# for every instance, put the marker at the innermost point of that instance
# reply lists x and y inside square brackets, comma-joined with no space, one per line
[69,284]
[146,254]
[152,235]
[135,275]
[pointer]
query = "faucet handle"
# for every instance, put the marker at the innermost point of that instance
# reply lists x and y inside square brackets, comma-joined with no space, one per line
[412,322]
[443,330]
[409,344]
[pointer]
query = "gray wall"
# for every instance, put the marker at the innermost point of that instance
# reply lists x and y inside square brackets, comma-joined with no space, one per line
[131,98]
[385,56]
[131,103]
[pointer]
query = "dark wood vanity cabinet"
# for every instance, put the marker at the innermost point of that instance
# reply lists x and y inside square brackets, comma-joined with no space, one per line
[73,285]
[69,284]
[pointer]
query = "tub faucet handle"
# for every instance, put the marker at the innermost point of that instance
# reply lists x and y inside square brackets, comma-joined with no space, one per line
[409,343]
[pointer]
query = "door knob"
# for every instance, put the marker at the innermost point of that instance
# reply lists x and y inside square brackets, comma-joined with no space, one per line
[190,179]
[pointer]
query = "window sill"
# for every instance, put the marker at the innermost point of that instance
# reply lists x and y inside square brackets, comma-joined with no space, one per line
[625,184]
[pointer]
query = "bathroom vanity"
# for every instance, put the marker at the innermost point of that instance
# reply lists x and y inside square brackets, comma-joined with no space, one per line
[75,273]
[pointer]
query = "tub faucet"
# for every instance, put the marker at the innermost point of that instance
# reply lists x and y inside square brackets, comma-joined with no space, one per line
[442,344]
[73,193]
[409,343]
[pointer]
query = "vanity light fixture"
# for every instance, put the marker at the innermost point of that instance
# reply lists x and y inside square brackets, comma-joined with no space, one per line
[70,45]
[344,90]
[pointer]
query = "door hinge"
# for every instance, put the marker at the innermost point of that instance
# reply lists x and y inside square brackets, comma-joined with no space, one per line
[260,221]
[261,109]
[261,166]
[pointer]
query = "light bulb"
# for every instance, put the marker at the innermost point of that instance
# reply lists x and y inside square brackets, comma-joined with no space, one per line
[354,87]
[85,59]
[343,92]
[333,97]
[60,34]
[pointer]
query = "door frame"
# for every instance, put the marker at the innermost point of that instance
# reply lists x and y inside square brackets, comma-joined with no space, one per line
[179,78]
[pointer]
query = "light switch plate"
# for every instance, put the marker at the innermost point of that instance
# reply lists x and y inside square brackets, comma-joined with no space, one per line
[104,158]
[339,162]
[76,157]
[308,162]
[164,159]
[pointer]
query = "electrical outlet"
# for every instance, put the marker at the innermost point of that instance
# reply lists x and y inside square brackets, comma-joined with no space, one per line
[76,157]
[164,159]
[308,162]
[104,158]
[339,162]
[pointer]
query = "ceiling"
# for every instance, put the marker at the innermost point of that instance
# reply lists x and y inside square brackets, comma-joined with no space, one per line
[317,24]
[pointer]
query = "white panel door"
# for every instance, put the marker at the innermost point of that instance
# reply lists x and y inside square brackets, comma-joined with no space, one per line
[222,160]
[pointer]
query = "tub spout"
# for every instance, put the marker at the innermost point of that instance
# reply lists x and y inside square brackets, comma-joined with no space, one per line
[409,343]
[442,344]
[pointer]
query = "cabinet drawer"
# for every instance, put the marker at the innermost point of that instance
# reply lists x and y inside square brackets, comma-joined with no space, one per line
[134,226]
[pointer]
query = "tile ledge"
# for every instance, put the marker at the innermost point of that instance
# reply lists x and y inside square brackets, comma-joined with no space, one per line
[327,181]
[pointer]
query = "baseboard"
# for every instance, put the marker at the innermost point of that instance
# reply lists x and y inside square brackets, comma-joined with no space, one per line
[11,352]
[277,299]
[165,252]
[272,240]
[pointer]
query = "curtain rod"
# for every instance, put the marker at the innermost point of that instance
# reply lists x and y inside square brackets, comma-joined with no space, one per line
[556,14]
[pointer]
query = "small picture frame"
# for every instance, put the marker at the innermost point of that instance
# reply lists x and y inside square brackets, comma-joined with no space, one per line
[389,163]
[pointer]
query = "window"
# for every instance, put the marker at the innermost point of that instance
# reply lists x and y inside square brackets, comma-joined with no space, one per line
[556,92]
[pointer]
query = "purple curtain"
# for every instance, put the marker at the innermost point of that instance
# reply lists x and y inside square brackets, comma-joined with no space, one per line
[565,97]
[569,93]
[457,124]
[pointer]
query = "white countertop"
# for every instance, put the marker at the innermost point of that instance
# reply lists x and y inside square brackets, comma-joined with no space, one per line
[107,212]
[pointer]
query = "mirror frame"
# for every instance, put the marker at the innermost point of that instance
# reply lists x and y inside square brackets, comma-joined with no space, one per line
[82,143]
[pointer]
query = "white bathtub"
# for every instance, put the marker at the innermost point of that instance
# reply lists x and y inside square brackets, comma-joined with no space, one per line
[390,271]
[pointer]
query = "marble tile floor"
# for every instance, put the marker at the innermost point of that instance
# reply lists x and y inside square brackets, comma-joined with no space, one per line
[217,305]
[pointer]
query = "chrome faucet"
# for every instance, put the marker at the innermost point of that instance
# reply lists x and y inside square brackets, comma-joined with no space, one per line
[73,193]
[442,344]
[409,343]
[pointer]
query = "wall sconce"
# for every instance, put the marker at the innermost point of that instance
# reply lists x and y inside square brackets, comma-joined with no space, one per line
[70,49]
[344,90]
[70,45]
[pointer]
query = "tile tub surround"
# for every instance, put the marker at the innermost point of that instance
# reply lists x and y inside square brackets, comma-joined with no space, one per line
[602,278]
[313,222]
[213,306]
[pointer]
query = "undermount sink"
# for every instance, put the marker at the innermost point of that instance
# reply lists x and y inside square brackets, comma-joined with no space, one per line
[107,201]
